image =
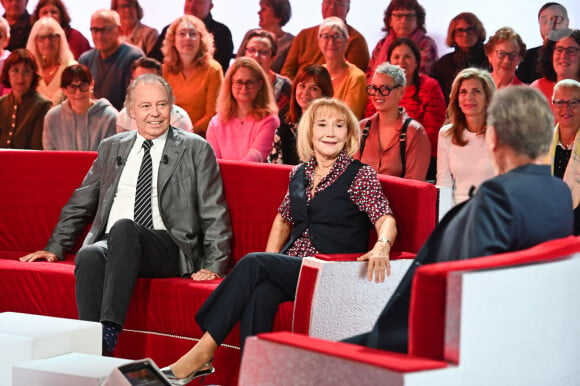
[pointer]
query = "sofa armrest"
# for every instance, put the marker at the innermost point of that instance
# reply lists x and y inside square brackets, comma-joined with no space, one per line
[334,299]
[297,359]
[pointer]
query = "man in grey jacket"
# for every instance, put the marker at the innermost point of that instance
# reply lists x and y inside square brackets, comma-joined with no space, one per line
[155,199]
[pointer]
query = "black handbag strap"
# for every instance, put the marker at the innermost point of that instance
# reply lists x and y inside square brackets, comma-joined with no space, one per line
[403,145]
[363,139]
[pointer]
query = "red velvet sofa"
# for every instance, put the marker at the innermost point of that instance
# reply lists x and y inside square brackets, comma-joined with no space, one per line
[160,323]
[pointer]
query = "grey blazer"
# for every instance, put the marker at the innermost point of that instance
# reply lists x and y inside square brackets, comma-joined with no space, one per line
[190,194]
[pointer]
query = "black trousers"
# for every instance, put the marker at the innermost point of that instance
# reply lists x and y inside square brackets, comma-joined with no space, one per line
[107,270]
[250,294]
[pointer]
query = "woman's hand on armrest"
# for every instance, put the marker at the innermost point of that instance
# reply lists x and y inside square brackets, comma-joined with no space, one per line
[379,264]
[39,255]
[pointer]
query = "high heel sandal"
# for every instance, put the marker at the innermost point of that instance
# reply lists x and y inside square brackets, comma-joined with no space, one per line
[201,371]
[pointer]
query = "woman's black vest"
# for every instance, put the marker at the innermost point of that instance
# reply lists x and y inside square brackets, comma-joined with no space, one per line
[335,223]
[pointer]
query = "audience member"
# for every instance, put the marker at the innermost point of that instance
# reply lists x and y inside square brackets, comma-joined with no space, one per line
[178,227]
[247,116]
[405,19]
[224,45]
[466,35]
[505,50]
[178,117]
[423,98]
[261,46]
[552,16]
[311,82]
[274,14]
[327,139]
[392,142]
[522,207]
[22,110]
[564,155]
[19,20]
[132,30]
[4,38]
[47,43]
[304,49]
[559,59]
[56,9]
[80,122]
[190,69]
[463,160]
[110,61]
[348,81]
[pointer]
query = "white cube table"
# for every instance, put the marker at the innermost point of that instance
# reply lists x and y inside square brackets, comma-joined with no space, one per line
[24,337]
[68,369]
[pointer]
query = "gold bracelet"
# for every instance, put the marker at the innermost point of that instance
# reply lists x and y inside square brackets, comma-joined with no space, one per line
[385,240]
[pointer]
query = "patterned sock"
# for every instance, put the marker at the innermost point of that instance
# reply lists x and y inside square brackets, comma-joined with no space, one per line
[110,337]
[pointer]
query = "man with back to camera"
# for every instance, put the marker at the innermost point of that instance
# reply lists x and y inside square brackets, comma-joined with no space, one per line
[521,207]
[552,16]
[222,36]
[110,61]
[155,199]
[304,49]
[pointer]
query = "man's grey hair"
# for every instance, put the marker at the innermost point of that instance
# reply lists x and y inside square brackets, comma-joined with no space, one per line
[522,119]
[147,79]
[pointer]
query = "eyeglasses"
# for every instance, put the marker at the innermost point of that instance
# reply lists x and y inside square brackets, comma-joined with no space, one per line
[328,36]
[570,51]
[467,31]
[254,52]
[104,30]
[571,103]
[310,87]
[193,35]
[250,84]
[72,88]
[49,37]
[501,54]
[384,90]
[401,15]
[17,71]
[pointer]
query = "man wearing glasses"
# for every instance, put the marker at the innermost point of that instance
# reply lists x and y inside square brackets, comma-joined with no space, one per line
[304,49]
[111,59]
[552,16]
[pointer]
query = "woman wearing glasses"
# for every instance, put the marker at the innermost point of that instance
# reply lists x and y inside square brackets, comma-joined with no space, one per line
[559,60]
[80,122]
[564,155]
[189,67]
[262,47]
[348,81]
[392,142]
[47,43]
[22,110]
[466,35]
[505,50]
[463,160]
[247,116]
[405,19]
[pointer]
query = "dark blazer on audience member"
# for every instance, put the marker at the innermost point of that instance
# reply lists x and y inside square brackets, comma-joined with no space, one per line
[190,195]
[513,211]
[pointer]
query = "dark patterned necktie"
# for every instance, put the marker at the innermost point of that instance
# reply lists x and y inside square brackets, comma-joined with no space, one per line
[143,215]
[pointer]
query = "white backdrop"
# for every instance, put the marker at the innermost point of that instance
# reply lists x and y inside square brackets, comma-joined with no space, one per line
[365,15]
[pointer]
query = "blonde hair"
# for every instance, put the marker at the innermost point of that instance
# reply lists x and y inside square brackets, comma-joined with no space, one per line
[171,58]
[65,56]
[304,144]
[263,105]
[454,114]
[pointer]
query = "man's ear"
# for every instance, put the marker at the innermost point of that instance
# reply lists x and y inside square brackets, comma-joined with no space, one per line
[491,138]
[131,112]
